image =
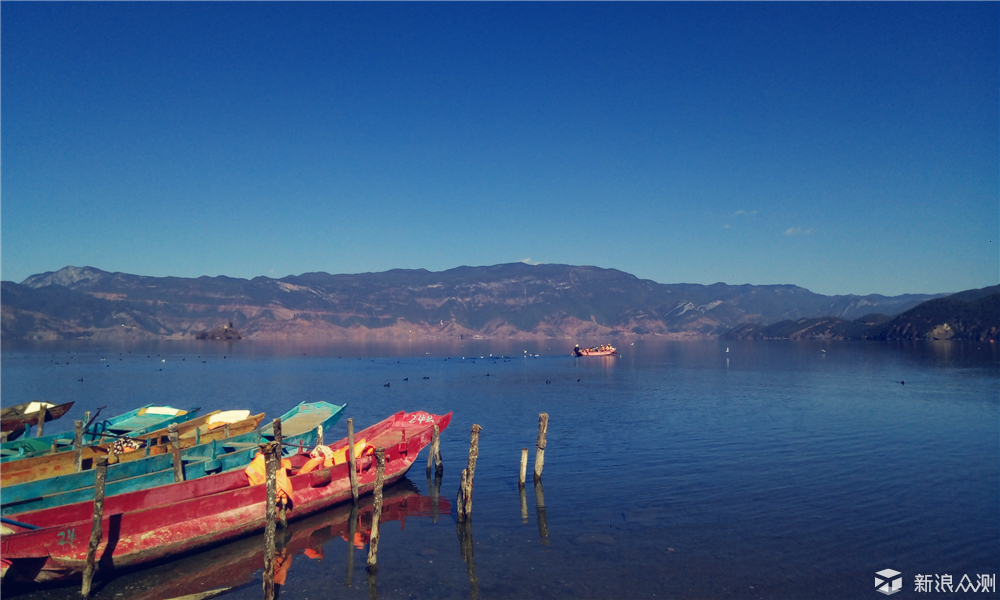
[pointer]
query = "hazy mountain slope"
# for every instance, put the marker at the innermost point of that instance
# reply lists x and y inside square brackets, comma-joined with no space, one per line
[510,300]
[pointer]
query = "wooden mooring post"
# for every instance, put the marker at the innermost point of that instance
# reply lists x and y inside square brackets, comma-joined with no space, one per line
[524,468]
[376,510]
[41,420]
[468,474]
[352,464]
[319,435]
[175,451]
[78,446]
[95,531]
[434,453]
[272,458]
[543,428]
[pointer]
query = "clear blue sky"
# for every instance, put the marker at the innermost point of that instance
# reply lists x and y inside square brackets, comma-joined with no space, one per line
[842,147]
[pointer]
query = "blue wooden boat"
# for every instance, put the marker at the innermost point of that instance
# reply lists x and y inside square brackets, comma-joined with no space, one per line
[299,430]
[133,423]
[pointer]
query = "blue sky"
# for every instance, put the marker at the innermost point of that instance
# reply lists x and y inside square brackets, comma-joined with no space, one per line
[842,147]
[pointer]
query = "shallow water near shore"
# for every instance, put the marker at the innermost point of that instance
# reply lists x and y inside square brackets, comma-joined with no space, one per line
[675,470]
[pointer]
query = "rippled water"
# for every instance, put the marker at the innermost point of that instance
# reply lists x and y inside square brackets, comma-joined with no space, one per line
[677,470]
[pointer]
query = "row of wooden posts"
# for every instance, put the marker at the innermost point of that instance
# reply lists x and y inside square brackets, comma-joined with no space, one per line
[274,513]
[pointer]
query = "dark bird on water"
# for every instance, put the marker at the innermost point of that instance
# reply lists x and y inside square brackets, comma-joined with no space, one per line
[386,384]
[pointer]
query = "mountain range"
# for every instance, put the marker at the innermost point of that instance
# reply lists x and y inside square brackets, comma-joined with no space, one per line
[517,301]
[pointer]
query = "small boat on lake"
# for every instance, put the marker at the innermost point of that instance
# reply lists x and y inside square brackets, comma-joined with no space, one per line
[42,466]
[15,420]
[215,454]
[133,423]
[143,526]
[602,350]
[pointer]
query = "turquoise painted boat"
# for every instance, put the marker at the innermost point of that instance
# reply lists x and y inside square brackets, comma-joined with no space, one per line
[134,423]
[299,430]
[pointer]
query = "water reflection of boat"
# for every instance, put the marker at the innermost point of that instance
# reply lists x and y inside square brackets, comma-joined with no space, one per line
[236,564]
[602,350]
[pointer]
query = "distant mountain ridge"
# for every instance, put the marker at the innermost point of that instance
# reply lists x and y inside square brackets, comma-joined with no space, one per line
[509,300]
[969,315]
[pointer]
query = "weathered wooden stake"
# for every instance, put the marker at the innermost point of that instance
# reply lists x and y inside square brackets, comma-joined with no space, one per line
[352,468]
[272,458]
[225,431]
[376,509]
[95,530]
[435,453]
[465,504]
[460,503]
[543,427]
[175,451]
[276,428]
[41,419]
[55,447]
[319,435]
[78,446]
[524,467]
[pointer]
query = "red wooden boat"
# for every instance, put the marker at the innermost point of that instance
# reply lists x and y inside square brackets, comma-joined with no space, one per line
[151,524]
[603,350]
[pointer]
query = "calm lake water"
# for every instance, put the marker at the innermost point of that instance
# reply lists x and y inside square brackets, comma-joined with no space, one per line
[677,470]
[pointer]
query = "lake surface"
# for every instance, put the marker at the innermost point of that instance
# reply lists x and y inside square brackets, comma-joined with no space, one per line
[677,470]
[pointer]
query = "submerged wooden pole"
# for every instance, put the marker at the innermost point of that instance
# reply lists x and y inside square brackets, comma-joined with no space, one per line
[95,530]
[543,525]
[352,464]
[41,419]
[175,451]
[376,510]
[78,446]
[272,458]
[465,497]
[524,468]
[543,427]
[466,547]
[352,529]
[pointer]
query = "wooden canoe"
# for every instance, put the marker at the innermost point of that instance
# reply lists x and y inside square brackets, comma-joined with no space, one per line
[134,423]
[169,520]
[14,420]
[44,466]
[299,427]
